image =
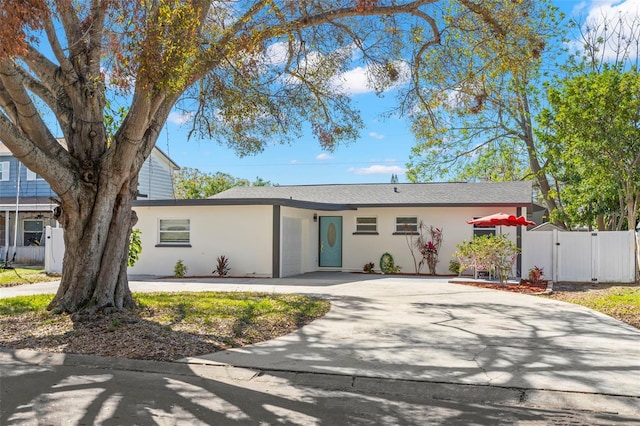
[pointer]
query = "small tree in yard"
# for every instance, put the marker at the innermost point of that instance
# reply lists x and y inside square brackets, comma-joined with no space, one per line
[429,246]
[247,73]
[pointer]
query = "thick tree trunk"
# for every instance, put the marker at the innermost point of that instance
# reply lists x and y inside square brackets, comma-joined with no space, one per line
[96,236]
[532,153]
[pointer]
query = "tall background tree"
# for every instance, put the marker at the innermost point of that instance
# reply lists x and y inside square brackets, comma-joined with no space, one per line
[591,126]
[190,183]
[252,72]
[592,130]
[478,121]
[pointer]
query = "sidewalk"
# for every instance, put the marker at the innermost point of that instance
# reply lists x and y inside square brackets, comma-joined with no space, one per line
[440,349]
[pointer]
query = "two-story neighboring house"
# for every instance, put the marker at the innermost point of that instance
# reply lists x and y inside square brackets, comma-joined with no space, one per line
[25,195]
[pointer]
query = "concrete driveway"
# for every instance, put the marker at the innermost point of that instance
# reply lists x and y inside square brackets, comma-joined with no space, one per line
[431,330]
[420,330]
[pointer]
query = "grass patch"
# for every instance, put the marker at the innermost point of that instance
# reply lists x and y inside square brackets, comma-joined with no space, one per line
[165,326]
[622,303]
[23,304]
[18,276]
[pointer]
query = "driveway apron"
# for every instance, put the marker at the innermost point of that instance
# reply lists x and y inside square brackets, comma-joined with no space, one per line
[431,330]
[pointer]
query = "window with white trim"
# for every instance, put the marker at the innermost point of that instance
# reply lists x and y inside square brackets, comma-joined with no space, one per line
[479,231]
[174,232]
[406,225]
[32,175]
[4,170]
[32,232]
[366,225]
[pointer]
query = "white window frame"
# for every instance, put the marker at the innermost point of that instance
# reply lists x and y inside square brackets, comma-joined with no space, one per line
[24,232]
[402,224]
[161,232]
[484,230]
[5,167]
[33,175]
[364,222]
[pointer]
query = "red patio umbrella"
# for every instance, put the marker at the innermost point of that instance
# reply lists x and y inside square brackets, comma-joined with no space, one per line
[501,219]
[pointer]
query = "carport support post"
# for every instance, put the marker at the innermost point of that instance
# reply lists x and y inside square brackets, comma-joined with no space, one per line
[275,243]
[6,233]
[519,272]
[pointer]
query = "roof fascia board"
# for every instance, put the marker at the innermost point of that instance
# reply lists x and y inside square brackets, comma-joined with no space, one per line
[521,204]
[245,202]
[307,204]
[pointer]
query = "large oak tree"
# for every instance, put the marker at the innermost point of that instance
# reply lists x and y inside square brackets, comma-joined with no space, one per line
[250,73]
[478,121]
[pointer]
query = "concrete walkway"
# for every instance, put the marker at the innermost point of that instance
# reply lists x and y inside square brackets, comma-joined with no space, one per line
[407,333]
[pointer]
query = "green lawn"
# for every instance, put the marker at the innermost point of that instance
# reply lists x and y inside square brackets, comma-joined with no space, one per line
[619,302]
[17,276]
[164,326]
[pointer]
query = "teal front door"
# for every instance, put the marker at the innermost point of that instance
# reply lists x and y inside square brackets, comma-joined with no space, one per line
[331,241]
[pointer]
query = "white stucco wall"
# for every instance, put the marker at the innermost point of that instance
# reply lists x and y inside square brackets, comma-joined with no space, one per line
[242,233]
[361,249]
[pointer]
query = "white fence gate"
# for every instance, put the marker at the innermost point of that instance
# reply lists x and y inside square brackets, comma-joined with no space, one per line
[581,256]
[54,250]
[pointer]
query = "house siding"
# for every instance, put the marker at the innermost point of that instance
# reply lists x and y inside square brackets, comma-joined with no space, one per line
[242,233]
[34,200]
[359,249]
[28,188]
[155,179]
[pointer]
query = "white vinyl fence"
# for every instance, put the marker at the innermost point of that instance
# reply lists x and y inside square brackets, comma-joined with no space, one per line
[608,257]
[54,250]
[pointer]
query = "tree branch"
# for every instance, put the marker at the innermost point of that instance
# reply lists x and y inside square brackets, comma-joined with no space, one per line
[27,116]
[47,158]
[54,42]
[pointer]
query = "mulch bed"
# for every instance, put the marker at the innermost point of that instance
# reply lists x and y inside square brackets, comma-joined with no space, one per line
[523,286]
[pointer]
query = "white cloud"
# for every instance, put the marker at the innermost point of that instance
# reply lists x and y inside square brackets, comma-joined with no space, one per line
[357,80]
[323,157]
[354,81]
[277,53]
[376,169]
[621,17]
[180,117]
[376,135]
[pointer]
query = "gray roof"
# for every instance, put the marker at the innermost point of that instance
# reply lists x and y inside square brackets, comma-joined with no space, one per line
[390,194]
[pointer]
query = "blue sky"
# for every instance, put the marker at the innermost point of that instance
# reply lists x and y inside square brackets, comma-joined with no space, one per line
[383,148]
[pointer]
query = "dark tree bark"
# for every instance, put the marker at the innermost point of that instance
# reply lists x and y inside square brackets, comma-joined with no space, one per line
[95,261]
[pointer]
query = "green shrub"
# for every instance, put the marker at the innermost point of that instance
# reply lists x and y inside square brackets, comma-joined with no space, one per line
[387,265]
[454,267]
[135,247]
[180,270]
